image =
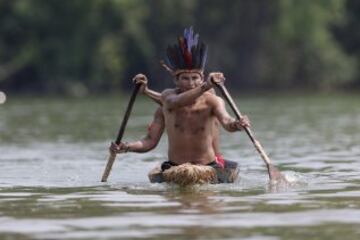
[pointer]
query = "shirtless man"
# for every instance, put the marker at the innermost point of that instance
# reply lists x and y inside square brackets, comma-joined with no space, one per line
[156,97]
[189,114]
[189,110]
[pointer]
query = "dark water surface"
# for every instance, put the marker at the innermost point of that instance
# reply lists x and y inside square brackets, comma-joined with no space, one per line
[53,152]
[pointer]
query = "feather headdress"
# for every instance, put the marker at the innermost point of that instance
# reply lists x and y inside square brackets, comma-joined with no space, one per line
[187,55]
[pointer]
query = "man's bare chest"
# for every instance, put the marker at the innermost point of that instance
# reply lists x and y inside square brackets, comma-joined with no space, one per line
[193,112]
[193,119]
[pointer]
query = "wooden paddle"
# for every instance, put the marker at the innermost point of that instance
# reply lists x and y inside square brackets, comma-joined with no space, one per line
[112,156]
[274,173]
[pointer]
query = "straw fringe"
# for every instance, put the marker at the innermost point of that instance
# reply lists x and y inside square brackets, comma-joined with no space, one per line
[190,174]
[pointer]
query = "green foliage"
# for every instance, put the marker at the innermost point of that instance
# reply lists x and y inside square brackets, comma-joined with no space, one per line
[301,49]
[67,45]
[348,34]
[75,46]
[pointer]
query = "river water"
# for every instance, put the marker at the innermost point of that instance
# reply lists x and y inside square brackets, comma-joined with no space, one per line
[53,152]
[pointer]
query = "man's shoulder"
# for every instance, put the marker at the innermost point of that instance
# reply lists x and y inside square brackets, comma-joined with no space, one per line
[211,95]
[212,98]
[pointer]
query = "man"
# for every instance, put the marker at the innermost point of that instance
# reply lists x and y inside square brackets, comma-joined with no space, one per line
[190,113]
[156,97]
[189,110]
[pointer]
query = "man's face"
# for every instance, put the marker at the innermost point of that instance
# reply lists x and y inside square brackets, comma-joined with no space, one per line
[188,80]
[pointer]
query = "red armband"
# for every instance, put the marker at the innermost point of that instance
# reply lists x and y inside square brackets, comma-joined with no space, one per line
[220,160]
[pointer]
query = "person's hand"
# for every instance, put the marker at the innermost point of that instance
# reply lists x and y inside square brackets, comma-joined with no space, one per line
[121,148]
[215,78]
[243,123]
[141,79]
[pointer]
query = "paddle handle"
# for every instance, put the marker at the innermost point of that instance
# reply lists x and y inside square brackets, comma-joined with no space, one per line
[236,111]
[127,113]
[121,131]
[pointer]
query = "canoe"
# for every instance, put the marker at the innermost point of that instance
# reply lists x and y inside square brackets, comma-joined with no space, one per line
[190,174]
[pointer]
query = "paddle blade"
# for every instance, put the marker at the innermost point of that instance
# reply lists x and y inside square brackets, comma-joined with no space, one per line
[108,167]
[275,174]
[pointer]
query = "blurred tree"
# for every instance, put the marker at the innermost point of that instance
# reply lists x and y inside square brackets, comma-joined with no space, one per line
[300,49]
[165,21]
[75,46]
[348,34]
[234,31]
[67,46]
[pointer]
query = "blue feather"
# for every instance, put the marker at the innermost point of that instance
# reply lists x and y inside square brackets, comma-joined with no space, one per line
[191,40]
[193,49]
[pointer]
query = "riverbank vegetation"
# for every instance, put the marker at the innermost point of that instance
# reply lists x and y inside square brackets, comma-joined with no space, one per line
[93,46]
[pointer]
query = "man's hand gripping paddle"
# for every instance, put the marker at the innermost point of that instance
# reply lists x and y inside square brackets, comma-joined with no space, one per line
[112,156]
[274,173]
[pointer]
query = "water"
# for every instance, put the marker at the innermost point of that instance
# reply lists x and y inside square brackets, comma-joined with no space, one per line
[53,153]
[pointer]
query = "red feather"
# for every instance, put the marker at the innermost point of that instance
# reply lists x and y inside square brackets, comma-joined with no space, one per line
[186,53]
[188,59]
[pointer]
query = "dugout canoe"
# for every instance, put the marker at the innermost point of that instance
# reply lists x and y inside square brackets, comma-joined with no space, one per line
[190,174]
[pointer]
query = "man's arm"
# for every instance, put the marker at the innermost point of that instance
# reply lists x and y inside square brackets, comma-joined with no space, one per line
[149,142]
[229,123]
[172,100]
[155,96]
[142,79]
